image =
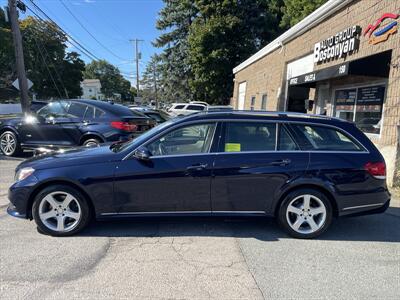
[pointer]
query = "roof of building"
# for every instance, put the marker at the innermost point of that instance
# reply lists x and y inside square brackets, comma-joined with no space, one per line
[313,19]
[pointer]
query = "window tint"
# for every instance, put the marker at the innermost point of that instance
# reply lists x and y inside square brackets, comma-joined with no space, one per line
[89,114]
[179,107]
[312,137]
[185,140]
[54,110]
[250,136]
[195,107]
[77,110]
[286,143]
[98,113]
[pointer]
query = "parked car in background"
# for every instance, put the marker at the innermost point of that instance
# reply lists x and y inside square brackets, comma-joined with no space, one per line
[68,123]
[37,104]
[157,115]
[183,109]
[303,170]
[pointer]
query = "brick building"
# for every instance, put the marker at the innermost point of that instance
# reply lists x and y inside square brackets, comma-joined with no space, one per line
[343,60]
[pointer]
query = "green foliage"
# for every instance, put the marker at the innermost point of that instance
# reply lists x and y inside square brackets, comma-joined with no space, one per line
[296,10]
[44,53]
[151,83]
[225,33]
[175,72]
[110,78]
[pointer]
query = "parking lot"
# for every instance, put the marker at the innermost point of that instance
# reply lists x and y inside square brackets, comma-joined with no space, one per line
[198,259]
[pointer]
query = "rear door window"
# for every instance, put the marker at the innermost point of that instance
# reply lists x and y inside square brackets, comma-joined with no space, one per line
[77,110]
[249,136]
[89,114]
[286,142]
[322,138]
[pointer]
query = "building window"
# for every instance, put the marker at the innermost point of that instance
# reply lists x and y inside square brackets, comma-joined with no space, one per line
[252,102]
[361,105]
[264,102]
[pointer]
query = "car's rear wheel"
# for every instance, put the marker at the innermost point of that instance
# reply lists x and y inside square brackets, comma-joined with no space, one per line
[60,210]
[305,213]
[92,142]
[9,143]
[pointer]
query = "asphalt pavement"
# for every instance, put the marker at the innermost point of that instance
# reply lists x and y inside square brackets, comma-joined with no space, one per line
[199,259]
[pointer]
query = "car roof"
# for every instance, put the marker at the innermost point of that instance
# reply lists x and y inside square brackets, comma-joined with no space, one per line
[262,115]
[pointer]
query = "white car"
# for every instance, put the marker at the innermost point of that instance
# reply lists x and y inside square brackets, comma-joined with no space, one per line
[183,109]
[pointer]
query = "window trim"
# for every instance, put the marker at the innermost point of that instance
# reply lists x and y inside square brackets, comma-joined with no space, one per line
[220,124]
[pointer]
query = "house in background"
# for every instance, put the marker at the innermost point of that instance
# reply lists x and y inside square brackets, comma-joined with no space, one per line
[91,89]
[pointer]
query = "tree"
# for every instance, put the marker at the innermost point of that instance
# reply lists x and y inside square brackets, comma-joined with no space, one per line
[296,10]
[152,81]
[225,33]
[175,20]
[54,72]
[111,80]
[7,70]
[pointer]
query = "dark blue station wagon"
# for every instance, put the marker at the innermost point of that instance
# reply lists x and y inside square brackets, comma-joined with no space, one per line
[302,169]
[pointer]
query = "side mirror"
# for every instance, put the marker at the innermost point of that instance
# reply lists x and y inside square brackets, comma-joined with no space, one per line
[142,153]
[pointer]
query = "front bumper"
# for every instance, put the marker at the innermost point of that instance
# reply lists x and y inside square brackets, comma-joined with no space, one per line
[19,194]
[12,211]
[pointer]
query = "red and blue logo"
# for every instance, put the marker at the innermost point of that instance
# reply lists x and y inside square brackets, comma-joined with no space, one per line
[378,36]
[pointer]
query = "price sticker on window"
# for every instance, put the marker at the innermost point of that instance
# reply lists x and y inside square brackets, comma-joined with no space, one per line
[232,147]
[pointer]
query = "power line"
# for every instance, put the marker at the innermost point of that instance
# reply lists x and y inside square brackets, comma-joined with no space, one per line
[84,28]
[71,40]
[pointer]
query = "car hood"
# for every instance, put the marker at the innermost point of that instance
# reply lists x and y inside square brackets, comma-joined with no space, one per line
[71,157]
[10,120]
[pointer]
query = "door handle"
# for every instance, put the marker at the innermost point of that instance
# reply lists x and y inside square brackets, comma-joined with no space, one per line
[197,167]
[281,162]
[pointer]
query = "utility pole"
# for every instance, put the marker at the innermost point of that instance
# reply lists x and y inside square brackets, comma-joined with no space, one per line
[155,83]
[137,54]
[19,55]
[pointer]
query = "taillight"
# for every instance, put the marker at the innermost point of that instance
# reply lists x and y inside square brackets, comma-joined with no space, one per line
[376,169]
[125,126]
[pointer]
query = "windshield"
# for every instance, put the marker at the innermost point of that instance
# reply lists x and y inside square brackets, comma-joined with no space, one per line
[118,147]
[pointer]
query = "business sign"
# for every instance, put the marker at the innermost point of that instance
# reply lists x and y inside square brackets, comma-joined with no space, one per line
[371,95]
[388,28]
[327,73]
[338,45]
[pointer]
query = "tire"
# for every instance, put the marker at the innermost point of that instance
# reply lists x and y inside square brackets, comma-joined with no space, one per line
[91,142]
[60,210]
[9,144]
[304,221]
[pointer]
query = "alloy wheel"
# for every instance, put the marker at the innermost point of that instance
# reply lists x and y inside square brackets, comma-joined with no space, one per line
[306,214]
[60,211]
[8,143]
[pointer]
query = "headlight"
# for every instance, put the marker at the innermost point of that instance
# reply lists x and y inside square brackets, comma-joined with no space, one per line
[23,173]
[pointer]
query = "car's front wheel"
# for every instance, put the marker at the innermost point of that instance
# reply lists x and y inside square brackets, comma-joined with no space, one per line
[9,143]
[305,213]
[60,210]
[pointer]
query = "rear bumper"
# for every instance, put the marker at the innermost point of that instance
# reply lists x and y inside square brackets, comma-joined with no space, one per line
[362,210]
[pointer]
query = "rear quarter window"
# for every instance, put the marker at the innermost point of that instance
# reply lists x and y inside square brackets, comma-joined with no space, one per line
[323,138]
